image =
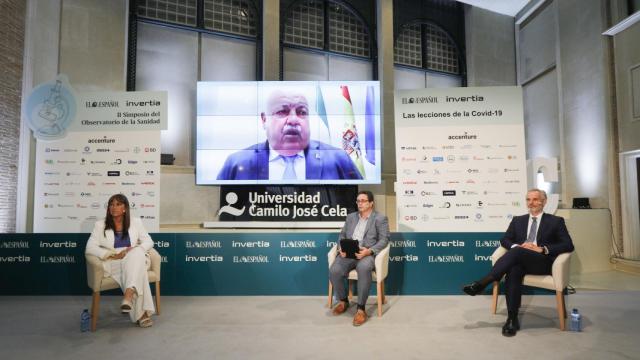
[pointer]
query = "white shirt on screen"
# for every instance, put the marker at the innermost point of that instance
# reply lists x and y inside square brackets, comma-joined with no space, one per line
[277,165]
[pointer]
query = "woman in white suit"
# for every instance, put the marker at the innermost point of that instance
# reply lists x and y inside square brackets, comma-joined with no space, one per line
[122,243]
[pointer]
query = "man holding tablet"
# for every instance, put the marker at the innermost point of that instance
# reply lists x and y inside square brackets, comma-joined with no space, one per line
[371,230]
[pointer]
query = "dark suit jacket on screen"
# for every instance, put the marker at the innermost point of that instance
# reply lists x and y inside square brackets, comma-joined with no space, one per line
[322,162]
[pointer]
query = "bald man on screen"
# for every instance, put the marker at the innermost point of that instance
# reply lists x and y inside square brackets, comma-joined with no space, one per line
[288,153]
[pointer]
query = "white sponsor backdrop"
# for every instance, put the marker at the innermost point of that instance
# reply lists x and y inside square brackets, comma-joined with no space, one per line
[75,177]
[460,156]
[112,146]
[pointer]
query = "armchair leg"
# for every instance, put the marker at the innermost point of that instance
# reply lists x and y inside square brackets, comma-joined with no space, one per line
[157,297]
[561,310]
[494,303]
[350,289]
[380,298]
[330,299]
[384,298]
[95,308]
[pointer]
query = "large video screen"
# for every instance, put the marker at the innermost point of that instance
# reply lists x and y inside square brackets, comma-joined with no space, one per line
[278,132]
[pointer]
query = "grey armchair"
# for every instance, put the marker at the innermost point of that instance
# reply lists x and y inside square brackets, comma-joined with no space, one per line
[379,274]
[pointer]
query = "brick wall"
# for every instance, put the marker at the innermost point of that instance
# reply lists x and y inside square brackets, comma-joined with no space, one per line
[12,17]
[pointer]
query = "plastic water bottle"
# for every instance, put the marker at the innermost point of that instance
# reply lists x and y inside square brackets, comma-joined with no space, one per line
[85,319]
[576,320]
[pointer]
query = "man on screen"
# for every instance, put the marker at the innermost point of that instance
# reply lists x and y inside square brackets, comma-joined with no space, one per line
[533,242]
[371,229]
[288,153]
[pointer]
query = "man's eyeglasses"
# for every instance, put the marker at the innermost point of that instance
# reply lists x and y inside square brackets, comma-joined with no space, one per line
[361,201]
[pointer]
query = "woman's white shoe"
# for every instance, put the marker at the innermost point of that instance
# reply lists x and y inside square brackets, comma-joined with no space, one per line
[126,306]
[145,322]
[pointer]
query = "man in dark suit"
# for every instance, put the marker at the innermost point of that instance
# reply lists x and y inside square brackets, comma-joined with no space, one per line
[288,153]
[371,229]
[533,242]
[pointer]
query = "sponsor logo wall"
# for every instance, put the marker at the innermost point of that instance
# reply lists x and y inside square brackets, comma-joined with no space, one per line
[460,157]
[91,146]
[75,177]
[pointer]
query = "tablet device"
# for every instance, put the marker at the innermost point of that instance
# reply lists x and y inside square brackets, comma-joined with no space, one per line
[350,246]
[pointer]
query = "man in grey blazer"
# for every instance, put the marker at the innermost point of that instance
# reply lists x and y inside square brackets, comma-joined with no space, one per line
[371,229]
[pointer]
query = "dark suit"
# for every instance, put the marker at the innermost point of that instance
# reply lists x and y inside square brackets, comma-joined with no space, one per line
[322,162]
[517,262]
[375,238]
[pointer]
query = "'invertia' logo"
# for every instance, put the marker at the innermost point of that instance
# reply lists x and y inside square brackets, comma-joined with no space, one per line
[445,244]
[404,258]
[207,258]
[474,98]
[298,258]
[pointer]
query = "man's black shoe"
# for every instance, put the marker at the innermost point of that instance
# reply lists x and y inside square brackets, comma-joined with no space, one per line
[511,327]
[473,289]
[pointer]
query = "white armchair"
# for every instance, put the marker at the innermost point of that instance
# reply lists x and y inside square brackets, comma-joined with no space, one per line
[379,274]
[98,282]
[558,281]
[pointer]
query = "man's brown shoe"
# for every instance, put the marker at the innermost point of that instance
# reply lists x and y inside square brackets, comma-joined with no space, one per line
[340,308]
[360,318]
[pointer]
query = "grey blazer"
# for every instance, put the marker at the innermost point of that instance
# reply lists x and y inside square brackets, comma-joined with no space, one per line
[376,235]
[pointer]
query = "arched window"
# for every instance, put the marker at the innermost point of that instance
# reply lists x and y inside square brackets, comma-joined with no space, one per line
[442,53]
[231,16]
[408,46]
[236,17]
[305,25]
[182,12]
[426,45]
[347,33]
[308,20]
[173,44]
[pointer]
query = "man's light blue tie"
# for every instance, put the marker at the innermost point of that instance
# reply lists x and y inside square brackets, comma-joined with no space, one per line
[289,170]
[532,231]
